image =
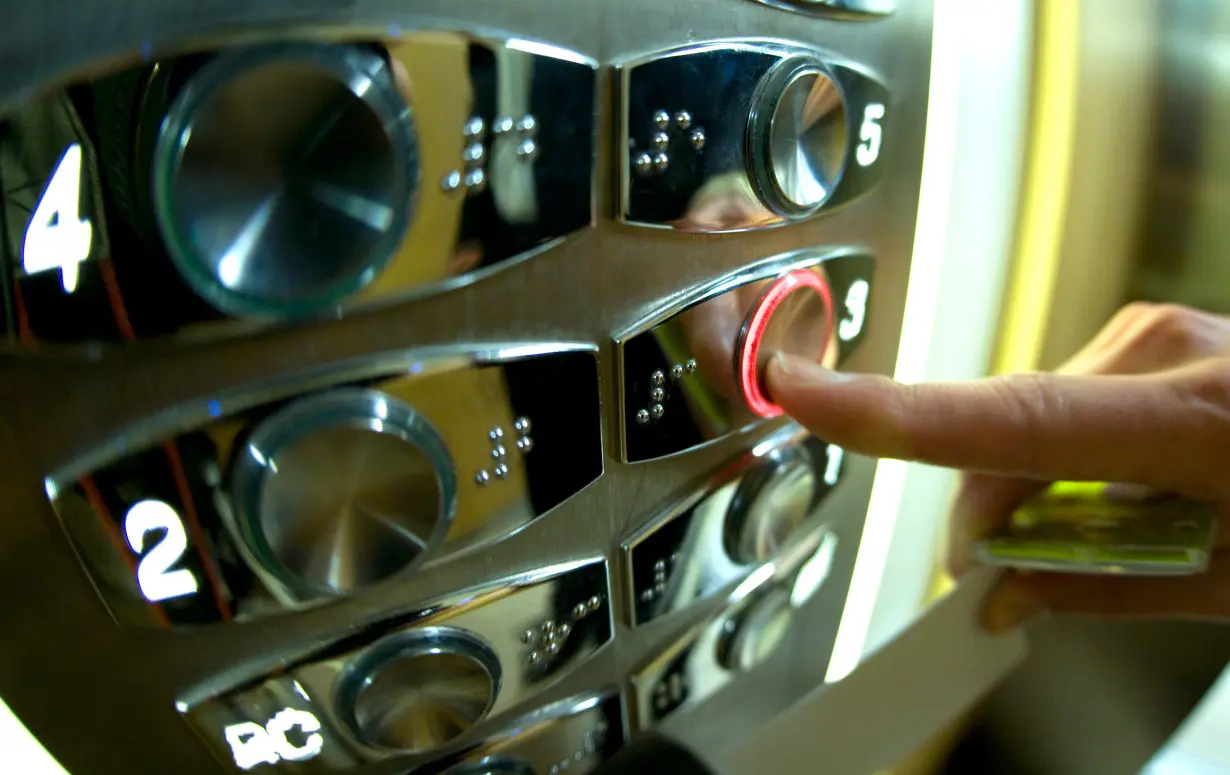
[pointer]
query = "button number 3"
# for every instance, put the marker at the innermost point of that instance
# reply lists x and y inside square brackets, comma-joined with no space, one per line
[871,134]
[57,236]
[856,310]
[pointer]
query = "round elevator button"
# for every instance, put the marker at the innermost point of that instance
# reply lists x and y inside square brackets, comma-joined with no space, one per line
[768,506]
[760,631]
[418,690]
[343,489]
[797,137]
[284,176]
[793,315]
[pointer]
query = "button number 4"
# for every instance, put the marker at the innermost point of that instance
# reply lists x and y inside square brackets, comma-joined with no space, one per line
[871,134]
[57,236]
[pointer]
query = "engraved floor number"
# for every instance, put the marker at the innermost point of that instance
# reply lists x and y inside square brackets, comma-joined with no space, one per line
[871,135]
[856,310]
[57,236]
[832,467]
[251,744]
[154,575]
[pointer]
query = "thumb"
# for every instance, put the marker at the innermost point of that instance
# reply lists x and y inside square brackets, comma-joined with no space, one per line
[1018,597]
[1131,428]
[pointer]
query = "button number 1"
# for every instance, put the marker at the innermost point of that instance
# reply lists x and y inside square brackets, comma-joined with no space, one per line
[57,237]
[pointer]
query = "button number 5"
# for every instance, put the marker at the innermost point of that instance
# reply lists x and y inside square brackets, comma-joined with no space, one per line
[870,133]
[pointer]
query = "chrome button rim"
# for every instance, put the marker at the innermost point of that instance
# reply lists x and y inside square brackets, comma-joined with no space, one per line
[223,234]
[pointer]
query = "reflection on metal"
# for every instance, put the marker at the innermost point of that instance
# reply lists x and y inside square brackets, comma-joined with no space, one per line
[409,688]
[737,135]
[572,736]
[342,489]
[284,176]
[362,479]
[681,373]
[797,137]
[307,179]
[746,515]
[419,690]
[734,639]
[846,9]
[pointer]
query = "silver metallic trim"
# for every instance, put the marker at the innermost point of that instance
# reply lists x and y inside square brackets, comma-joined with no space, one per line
[419,360]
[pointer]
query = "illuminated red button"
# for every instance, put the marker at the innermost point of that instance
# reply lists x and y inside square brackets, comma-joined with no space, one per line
[794,315]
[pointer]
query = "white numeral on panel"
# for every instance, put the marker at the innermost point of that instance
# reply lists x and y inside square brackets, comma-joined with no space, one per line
[154,575]
[832,468]
[856,310]
[251,744]
[57,236]
[871,134]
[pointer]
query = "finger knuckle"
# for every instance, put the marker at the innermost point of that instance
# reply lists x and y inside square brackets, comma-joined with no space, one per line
[1176,330]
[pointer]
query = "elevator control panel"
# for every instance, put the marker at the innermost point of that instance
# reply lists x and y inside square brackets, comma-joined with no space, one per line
[693,372]
[262,505]
[389,392]
[738,135]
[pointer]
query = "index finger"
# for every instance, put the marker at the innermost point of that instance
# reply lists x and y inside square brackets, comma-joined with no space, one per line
[1143,429]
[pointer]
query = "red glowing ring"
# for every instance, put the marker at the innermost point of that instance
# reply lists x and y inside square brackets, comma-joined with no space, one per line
[758,321]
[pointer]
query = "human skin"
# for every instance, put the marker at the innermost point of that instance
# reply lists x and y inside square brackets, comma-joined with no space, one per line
[1146,402]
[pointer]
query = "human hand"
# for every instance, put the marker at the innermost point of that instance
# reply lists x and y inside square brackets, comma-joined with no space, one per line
[1146,402]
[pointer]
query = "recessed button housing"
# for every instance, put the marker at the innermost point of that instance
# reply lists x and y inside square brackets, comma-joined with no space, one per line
[693,372]
[747,134]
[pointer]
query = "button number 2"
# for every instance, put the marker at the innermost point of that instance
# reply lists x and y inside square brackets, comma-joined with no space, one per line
[57,236]
[856,310]
[871,134]
[154,575]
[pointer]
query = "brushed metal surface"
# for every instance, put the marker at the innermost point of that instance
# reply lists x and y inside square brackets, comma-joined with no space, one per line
[62,403]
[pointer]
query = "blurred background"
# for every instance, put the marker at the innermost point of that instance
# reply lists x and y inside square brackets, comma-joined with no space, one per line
[1122,193]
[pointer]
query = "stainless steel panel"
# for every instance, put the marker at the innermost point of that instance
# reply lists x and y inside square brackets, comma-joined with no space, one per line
[417,687]
[745,633]
[698,546]
[300,491]
[67,403]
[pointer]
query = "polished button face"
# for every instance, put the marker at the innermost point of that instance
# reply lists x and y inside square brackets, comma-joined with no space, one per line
[343,507]
[760,631]
[285,176]
[793,316]
[343,489]
[806,138]
[420,699]
[770,507]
